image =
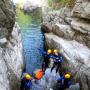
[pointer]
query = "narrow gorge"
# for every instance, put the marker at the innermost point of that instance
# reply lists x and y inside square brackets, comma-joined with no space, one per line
[25,28]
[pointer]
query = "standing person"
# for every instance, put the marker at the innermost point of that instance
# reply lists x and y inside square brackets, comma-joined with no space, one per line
[64,81]
[46,61]
[57,60]
[26,82]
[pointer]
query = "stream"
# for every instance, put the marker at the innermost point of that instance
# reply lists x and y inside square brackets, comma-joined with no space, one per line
[32,38]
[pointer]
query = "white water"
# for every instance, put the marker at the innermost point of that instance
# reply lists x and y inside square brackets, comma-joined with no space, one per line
[47,82]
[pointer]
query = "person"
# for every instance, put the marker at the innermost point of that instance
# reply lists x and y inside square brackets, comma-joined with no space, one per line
[64,81]
[38,74]
[26,82]
[46,61]
[57,60]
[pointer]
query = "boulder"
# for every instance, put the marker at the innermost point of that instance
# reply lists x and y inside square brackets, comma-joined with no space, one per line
[64,31]
[77,57]
[81,30]
[11,60]
[46,27]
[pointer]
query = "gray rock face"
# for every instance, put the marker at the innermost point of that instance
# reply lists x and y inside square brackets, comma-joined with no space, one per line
[77,57]
[82,9]
[11,59]
[70,30]
[46,82]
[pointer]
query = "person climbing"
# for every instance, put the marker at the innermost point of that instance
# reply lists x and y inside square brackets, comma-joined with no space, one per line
[46,61]
[57,60]
[64,81]
[26,82]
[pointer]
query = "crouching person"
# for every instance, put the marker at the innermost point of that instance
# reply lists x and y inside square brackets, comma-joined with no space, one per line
[26,82]
[64,81]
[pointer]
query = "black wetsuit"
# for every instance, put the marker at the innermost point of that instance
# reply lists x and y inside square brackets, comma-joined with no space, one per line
[25,84]
[57,62]
[63,83]
[46,61]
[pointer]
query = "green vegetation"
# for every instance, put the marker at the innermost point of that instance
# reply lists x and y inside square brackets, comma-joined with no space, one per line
[22,18]
[56,4]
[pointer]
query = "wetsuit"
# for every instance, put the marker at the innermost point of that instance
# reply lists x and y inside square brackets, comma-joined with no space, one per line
[25,84]
[57,62]
[46,61]
[63,83]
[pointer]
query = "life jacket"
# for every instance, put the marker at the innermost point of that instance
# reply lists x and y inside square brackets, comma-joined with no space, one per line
[38,74]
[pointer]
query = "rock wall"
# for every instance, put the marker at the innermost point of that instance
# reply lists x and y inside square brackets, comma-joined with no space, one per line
[11,59]
[68,29]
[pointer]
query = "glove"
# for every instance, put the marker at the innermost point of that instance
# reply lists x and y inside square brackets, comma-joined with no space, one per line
[60,60]
[52,57]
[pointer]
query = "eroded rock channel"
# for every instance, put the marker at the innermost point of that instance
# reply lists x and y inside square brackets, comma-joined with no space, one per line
[67,29]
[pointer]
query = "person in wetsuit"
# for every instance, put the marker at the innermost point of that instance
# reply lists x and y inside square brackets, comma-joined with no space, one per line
[47,55]
[64,82]
[26,82]
[57,60]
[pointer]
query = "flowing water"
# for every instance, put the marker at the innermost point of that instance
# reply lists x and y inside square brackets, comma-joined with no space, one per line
[32,38]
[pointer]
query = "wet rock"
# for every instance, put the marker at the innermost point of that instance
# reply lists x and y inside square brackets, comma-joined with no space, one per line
[47,82]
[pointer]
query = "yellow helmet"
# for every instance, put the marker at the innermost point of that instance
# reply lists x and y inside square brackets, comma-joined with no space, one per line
[49,51]
[28,77]
[67,76]
[55,51]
